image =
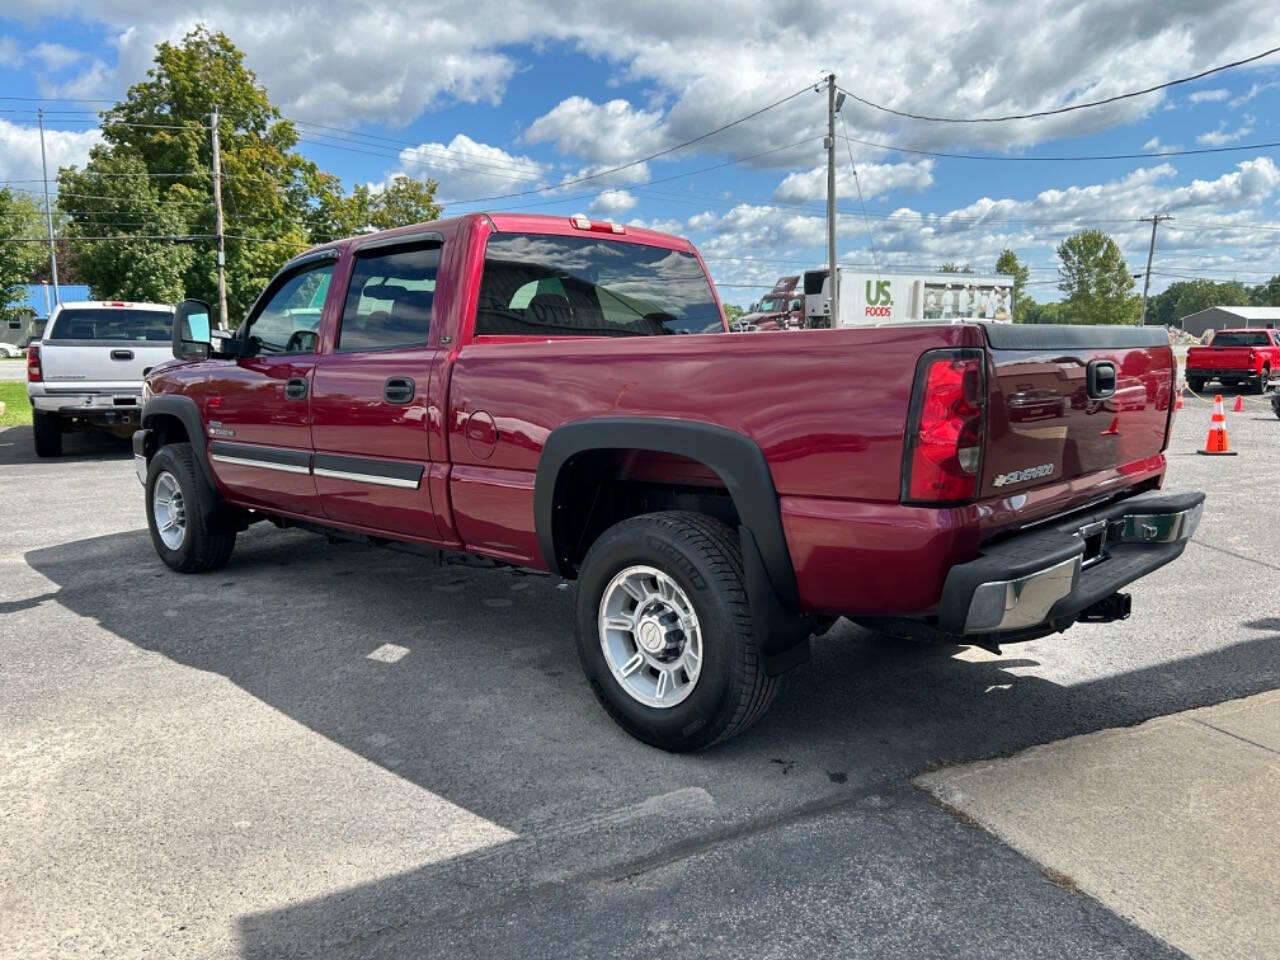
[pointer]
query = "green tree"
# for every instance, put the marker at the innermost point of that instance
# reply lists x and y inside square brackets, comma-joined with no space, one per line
[118,211]
[1191,296]
[1266,294]
[1033,312]
[1009,265]
[20,221]
[160,133]
[402,202]
[732,311]
[952,267]
[1096,280]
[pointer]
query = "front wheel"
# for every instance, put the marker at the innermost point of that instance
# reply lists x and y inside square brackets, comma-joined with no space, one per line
[1197,386]
[664,631]
[182,522]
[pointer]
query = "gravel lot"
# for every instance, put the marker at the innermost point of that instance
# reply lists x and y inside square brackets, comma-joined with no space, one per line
[333,751]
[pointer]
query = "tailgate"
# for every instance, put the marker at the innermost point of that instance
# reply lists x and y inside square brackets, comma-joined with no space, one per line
[105,365]
[1065,402]
[1219,358]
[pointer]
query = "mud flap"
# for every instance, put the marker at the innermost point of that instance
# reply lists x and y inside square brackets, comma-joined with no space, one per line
[783,635]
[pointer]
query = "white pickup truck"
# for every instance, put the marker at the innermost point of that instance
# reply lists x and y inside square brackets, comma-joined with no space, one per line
[86,370]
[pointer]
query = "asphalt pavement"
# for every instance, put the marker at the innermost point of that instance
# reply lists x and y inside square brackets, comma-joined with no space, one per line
[335,751]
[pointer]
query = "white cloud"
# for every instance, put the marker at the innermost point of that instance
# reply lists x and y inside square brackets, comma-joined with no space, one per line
[876,179]
[11,54]
[1214,225]
[465,168]
[55,56]
[712,62]
[20,151]
[1209,96]
[1155,146]
[1221,136]
[1253,91]
[94,81]
[613,202]
[601,133]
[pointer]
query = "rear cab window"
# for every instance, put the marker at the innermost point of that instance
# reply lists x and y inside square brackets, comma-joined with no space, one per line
[111,324]
[1233,339]
[551,286]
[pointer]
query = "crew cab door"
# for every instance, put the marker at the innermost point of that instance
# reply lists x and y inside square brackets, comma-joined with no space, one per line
[257,409]
[370,397]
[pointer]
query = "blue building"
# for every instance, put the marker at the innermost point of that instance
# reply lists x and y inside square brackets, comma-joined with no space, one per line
[28,324]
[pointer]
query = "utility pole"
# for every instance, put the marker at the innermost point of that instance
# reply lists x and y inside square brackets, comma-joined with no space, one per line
[217,216]
[1154,220]
[48,211]
[833,273]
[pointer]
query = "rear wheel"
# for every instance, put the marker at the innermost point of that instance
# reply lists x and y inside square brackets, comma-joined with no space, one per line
[182,521]
[46,428]
[1261,385]
[665,634]
[1196,384]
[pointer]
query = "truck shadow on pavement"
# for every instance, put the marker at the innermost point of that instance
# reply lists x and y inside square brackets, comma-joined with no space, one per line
[17,446]
[489,710]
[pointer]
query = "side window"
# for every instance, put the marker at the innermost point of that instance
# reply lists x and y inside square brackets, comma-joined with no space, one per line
[289,322]
[391,299]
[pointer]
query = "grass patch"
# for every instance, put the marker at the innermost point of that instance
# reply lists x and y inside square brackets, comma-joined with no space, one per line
[17,408]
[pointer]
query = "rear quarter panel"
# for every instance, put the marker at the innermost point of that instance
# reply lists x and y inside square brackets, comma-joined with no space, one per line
[827,407]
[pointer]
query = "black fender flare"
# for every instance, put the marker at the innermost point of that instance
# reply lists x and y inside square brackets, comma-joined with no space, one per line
[184,408]
[736,459]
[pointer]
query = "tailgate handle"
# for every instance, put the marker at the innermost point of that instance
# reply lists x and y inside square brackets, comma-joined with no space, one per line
[1101,379]
[295,388]
[121,354]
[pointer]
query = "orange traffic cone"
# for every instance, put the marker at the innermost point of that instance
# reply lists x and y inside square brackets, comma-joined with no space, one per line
[1178,405]
[1239,404]
[1216,444]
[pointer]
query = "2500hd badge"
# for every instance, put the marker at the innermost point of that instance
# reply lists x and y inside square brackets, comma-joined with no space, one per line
[1022,476]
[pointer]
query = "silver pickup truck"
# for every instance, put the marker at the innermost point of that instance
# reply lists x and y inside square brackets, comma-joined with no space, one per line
[86,370]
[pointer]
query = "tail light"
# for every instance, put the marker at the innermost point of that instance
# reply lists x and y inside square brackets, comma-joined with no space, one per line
[945,429]
[33,364]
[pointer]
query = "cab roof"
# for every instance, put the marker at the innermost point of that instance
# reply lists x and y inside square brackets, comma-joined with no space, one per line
[524,223]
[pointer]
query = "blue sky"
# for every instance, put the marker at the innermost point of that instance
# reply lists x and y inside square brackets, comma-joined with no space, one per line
[491,98]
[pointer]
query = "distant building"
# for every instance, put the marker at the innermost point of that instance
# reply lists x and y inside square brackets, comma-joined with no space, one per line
[1229,318]
[28,324]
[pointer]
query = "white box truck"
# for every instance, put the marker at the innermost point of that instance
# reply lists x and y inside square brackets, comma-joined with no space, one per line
[875,299]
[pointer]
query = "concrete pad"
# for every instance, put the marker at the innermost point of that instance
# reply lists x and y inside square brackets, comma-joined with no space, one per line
[1172,823]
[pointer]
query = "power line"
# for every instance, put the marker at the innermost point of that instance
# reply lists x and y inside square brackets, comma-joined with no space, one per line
[60,99]
[639,160]
[871,240]
[1077,106]
[1063,159]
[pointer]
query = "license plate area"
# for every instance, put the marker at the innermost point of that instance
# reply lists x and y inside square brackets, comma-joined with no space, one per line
[1094,536]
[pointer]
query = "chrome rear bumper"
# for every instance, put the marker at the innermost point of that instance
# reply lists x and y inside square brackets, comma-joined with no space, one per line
[1052,574]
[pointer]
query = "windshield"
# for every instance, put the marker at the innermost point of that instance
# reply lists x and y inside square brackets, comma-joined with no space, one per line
[772,305]
[1240,340]
[538,285]
[112,323]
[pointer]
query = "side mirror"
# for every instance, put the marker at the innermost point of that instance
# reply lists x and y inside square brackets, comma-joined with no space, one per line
[191,331]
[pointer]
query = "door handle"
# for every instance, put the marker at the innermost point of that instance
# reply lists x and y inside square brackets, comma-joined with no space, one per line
[295,388]
[121,354]
[1100,379]
[399,390]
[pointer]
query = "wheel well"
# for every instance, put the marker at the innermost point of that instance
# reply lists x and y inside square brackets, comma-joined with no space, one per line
[598,488]
[167,429]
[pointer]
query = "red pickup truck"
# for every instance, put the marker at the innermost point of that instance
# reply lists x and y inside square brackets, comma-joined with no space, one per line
[564,394]
[1246,358]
